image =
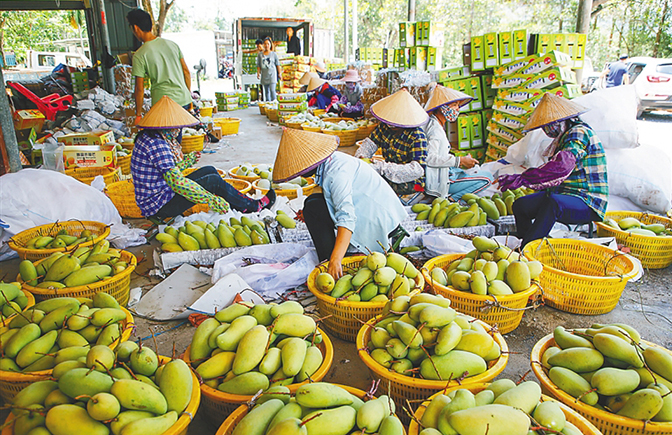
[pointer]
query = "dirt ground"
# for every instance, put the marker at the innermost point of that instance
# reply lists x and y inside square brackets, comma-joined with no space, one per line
[645,305]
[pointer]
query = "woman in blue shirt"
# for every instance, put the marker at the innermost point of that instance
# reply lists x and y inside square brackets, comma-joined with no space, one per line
[356,207]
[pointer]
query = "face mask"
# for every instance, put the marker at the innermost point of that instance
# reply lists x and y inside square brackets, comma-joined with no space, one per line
[351,86]
[553,130]
[450,113]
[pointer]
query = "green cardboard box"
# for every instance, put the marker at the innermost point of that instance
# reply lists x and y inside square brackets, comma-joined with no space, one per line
[505,47]
[519,44]
[545,43]
[509,121]
[434,33]
[580,50]
[505,133]
[474,83]
[418,58]
[512,81]
[489,93]
[517,95]
[433,58]
[514,67]
[407,34]
[464,132]
[476,130]
[551,78]
[570,45]
[491,49]
[512,108]
[560,42]
[567,91]
[477,53]
[545,61]
[464,85]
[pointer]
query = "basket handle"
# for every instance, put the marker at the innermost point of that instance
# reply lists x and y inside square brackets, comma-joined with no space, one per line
[536,303]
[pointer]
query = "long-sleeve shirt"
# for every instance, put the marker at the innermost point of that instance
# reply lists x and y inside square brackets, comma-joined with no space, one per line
[322,96]
[402,146]
[439,159]
[360,200]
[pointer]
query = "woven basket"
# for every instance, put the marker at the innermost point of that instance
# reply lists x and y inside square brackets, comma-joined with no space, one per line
[335,120]
[653,252]
[124,164]
[606,422]
[580,277]
[307,127]
[117,286]
[206,111]
[364,132]
[11,383]
[272,115]
[295,125]
[262,109]
[403,388]
[571,416]
[344,318]
[74,228]
[228,125]
[249,178]
[318,112]
[289,193]
[122,195]
[234,418]
[218,404]
[504,312]
[347,138]
[87,175]
[128,145]
[192,143]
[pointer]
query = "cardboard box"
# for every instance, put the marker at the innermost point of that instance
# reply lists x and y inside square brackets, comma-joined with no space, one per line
[580,50]
[545,43]
[433,58]
[505,47]
[80,156]
[100,138]
[476,130]
[570,45]
[514,67]
[489,93]
[505,133]
[451,134]
[24,119]
[497,143]
[474,83]
[487,116]
[551,78]
[464,132]
[560,42]
[292,98]
[518,95]
[406,34]
[567,91]
[433,33]
[26,138]
[453,73]
[519,44]
[418,58]
[293,107]
[542,62]
[509,121]
[512,108]
[512,81]
[477,53]
[491,48]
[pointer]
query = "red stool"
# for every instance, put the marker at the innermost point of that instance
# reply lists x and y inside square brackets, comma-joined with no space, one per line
[49,105]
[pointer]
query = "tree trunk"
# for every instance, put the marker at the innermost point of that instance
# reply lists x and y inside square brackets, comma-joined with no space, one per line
[147,6]
[164,7]
[663,17]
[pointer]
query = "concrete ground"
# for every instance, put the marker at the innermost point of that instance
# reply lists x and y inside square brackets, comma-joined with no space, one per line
[645,305]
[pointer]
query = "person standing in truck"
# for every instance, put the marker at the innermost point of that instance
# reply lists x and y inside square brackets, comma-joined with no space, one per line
[293,43]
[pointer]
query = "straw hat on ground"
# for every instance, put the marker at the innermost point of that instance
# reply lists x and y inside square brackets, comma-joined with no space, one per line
[167,114]
[300,151]
[552,109]
[352,75]
[321,67]
[443,96]
[315,82]
[400,110]
[305,79]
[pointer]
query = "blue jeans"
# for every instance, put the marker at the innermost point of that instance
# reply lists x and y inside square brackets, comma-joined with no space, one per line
[269,92]
[461,182]
[546,209]
[208,178]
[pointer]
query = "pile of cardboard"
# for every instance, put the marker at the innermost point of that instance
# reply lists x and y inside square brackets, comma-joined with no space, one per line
[420,45]
[249,62]
[293,68]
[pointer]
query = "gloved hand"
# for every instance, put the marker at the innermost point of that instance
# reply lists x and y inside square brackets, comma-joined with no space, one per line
[511,181]
[218,204]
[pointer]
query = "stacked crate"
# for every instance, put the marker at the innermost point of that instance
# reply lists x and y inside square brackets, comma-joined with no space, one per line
[227,101]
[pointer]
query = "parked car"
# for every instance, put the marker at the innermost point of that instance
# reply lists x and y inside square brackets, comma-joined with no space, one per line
[652,79]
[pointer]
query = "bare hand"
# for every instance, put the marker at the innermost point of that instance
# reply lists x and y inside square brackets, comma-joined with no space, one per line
[335,269]
[468,162]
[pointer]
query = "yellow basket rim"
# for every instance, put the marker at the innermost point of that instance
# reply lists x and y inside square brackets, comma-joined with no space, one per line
[21,250]
[527,251]
[284,192]
[40,375]
[381,371]
[525,294]
[581,407]
[587,429]
[132,263]
[249,178]
[349,304]
[4,321]
[220,396]
[226,120]
[73,171]
[637,215]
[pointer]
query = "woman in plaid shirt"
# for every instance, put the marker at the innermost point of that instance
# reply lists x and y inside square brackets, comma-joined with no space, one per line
[573,184]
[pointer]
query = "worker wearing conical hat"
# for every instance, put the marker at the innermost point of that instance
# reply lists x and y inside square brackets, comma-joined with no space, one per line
[322,95]
[402,140]
[161,190]
[356,206]
[573,184]
[445,178]
[351,105]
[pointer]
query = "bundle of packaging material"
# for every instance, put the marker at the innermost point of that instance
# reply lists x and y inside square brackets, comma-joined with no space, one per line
[227,101]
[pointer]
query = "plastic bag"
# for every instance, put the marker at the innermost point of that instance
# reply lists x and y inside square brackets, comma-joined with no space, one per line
[274,268]
[52,155]
[438,242]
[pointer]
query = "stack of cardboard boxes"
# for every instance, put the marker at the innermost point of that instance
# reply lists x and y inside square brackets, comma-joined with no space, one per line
[377,57]
[249,63]
[292,104]
[420,45]
[89,150]
[293,68]
[232,100]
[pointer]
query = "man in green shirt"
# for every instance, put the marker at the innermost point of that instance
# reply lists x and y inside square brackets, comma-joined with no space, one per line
[160,60]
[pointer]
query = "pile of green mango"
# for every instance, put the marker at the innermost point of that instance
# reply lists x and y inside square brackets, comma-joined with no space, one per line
[634,226]
[62,239]
[319,408]
[85,265]
[446,214]
[379,278]
[12,299]
[37,338]
[264,171]
[489,269]
[502,408]
[246,348]
[125,392]
[293,184]
[195,235]
[421,336]
[502,202]
[610,368]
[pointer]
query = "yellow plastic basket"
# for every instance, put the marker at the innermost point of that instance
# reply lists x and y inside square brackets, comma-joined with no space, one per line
[504,312]
[307,127]
[364,132]
[572,416]
[205,111]
[11,383]
[74,228]
[218,404]
[249,178]
[347,138]
[294,125]
[4,321]
[236,415]
[606,422]
[86,175]
[289,193]
[262,109]
[318,112]
[344,318]
[228,125]
[122,195]
[653,252]
[117,286]
[124,164]
[192,143]
[580,277]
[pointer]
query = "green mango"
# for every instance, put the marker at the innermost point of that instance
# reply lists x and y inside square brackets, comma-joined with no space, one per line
[642,405]
[550,415]
[489,419]
[64,419]
[548,353]
[478,343]
[105,316]
[83,382]
[34,394]
[322,395]
[124,349]
[20,339]
[137,395]
[36,349]
[336,421]
[103,407]
[659,360]
[485,397]
[578,359]
[229,340]
[262,312]
[565,339]
[279,392]
[431,416]
[29,316]
[617,348]
[56,318]
[573,384]
[127,417]
[524,396]
[614,382]
[257,421]
[71,354]
[198,349]
[144,361]
[294,325]
[56,397]
[246,384]
[67,338]
[452,365]
[176,384]
[463,399]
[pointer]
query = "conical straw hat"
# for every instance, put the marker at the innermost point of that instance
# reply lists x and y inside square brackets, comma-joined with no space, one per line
[442,96]
[167,114]
[400,110]
[300,151]
[551,109]
[305,79]
[352,75]
[315,82]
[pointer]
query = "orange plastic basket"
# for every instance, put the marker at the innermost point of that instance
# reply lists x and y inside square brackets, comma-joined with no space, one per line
[580,277]
[403,388]
[572,416]
[86,175]
[19,241]
[192,143]
[11,383]
[249,178]
[344,318]
[124,164]
[606,422]
[346,138]
[218,404]
[122,195]
[234,418]
[228,125]
[117,286]
[504,312]
[289,193]
[653,252]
